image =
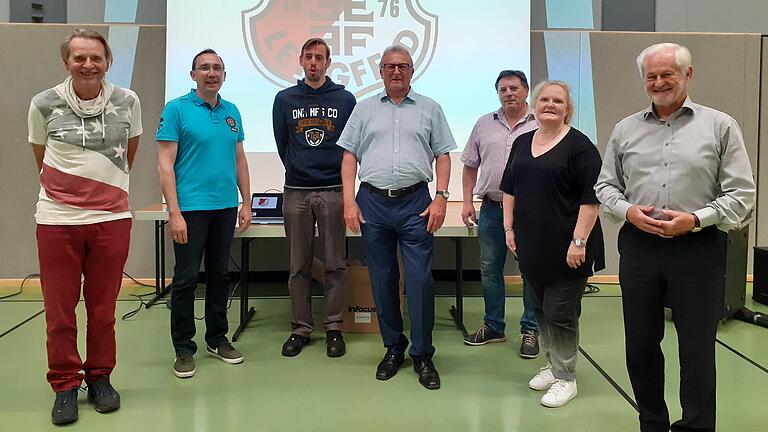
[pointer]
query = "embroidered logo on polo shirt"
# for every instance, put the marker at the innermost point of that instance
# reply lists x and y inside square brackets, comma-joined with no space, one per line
[232,123]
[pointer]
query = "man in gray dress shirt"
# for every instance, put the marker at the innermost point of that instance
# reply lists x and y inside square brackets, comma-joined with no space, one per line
[678,174]
[395,136]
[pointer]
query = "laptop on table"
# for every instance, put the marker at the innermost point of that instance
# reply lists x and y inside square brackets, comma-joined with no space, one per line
[267,208]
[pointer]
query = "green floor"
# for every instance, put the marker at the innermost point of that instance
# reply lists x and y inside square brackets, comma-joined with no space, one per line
[483,388]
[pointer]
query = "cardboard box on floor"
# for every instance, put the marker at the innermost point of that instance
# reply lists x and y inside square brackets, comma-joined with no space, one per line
[360,311]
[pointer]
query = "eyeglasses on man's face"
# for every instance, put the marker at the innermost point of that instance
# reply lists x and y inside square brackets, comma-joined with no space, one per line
[402,67]
[208,67]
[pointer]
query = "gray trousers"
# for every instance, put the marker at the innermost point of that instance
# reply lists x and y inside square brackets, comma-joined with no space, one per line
[558,307]
[302,209]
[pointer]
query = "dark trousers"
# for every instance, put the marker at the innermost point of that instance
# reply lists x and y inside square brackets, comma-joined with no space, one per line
[688,274]
[209,233]
[391,222]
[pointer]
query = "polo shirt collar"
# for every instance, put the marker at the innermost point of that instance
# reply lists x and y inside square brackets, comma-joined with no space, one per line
[197,100]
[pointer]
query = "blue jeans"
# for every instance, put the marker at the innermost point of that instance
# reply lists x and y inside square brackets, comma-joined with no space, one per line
[393,222]
[493,254]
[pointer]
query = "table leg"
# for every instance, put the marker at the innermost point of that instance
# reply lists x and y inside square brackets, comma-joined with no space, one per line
[245,313]
[457,310]
[160,289]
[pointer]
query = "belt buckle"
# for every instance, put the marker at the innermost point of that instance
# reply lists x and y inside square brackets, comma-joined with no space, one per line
[392,193]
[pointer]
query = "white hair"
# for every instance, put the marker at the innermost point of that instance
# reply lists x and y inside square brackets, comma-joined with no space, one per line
[682,56]
[397,48]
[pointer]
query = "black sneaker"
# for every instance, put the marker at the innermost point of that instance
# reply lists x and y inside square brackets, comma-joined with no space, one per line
[65,407]
[104,397]
[484,335]
[292,347]
[334,344]
[529,346]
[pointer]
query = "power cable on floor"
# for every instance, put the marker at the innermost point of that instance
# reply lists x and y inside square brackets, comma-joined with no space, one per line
[137,282]
[591,289]
[21,287]
[142,303]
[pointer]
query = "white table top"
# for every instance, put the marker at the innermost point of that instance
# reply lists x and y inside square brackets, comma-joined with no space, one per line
[453,226]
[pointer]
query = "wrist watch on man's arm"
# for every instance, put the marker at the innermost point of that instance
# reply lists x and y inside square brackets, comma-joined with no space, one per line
[443,193]
[696,223]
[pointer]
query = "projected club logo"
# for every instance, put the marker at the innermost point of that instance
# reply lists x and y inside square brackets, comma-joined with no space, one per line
[356,30]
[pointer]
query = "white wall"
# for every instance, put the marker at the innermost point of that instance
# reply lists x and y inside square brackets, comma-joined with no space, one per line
[737,16]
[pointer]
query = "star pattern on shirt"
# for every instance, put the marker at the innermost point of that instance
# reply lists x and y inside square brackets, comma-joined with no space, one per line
[111,109]
[60,133]
[80,130]
[119,150]
[96,125]
[57,112]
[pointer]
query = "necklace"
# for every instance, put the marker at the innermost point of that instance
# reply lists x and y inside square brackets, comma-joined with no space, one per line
[549,141]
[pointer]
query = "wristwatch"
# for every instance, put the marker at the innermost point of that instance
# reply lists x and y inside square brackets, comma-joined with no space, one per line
[696,223]
[444,193]
[579,242]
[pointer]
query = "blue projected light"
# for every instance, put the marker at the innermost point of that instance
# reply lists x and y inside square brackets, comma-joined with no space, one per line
[456,59]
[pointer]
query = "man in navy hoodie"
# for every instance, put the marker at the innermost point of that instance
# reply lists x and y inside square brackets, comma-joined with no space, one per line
[307,120]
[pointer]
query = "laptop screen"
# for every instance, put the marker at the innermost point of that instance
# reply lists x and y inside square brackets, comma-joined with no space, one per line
[267,205]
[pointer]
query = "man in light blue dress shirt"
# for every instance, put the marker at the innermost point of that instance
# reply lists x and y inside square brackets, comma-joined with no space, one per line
[395,136]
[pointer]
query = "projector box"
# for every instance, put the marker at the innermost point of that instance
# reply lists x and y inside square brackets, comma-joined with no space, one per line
[360,310]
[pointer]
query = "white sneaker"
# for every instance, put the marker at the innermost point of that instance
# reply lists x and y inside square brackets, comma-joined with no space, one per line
[561,392]
[543,380]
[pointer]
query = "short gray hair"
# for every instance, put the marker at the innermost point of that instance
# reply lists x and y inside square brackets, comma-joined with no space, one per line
[85,33]
[568,98]
[682,56]
[396,48]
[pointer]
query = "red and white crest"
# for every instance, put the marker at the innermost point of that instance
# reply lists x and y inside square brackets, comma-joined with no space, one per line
[356,30]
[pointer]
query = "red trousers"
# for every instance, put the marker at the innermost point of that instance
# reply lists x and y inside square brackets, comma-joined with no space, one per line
[98,253]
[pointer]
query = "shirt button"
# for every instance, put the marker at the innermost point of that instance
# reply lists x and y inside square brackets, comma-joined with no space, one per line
[666,144]
[664,207]
[663,185]
[665,163]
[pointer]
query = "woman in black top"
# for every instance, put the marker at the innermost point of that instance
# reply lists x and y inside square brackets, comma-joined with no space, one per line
[551,225]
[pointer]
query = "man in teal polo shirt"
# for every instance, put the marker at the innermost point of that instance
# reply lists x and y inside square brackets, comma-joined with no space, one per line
[202,165]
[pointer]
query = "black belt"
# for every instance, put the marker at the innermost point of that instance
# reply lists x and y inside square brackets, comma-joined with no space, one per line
[395,193]
[492,202]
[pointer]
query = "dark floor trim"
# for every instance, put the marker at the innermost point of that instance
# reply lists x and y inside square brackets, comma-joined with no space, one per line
[609,379]
[749,360]
[21,323]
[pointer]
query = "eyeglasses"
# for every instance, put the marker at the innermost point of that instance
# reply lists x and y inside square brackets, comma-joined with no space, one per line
[403,67]
[208,68]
